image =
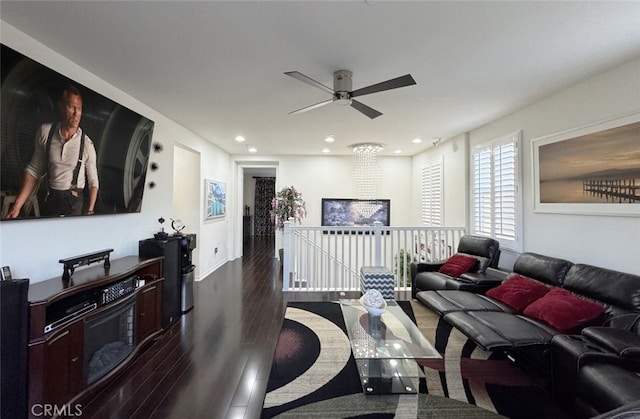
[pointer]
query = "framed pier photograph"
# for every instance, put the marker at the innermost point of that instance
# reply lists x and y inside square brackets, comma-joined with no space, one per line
[589,170]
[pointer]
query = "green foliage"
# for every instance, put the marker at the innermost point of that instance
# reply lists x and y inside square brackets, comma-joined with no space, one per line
[402,264]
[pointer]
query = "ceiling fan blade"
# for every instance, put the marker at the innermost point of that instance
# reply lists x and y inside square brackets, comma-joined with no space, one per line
[310,107]
[401,81]
[299,76]
[370,112]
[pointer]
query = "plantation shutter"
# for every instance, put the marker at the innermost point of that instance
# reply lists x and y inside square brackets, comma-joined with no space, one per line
[495,190]
[482,192]
[431,193]
[505,191]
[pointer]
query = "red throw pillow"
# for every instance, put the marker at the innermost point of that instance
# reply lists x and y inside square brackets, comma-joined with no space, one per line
[518,292]
[458,264]
[564,311]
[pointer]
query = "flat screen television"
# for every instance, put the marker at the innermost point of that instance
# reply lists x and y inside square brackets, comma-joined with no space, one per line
[121,137]
[355,212]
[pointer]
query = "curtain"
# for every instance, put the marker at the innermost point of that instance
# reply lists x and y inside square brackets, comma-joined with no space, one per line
[265,192]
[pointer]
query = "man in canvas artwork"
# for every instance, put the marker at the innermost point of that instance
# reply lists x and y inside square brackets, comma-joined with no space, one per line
[66,157]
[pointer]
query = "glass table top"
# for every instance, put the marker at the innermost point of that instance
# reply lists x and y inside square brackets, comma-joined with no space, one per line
[392,335]
[385,348]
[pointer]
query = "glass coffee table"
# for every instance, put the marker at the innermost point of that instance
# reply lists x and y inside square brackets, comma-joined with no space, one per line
[385,348]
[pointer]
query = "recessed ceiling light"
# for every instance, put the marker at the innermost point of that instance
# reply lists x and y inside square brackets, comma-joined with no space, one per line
[398,151]
[240,139]
[252,150]
[329,139]
[416,140]
[326,150]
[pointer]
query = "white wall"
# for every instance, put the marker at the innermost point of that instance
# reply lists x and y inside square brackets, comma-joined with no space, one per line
[454,153]
[331,177]
[318,177]
[606,241]
[186,176]
[33,247]
[249,195]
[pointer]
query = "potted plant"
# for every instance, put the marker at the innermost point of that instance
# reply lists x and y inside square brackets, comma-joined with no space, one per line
[287,203]
[402,267]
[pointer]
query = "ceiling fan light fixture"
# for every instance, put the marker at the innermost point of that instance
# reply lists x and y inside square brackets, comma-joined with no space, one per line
[342,99]
[342,93]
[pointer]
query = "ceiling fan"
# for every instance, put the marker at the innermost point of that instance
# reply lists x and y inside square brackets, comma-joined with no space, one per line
[342,93]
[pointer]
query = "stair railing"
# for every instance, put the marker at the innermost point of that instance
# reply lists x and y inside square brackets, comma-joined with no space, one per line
[329,258]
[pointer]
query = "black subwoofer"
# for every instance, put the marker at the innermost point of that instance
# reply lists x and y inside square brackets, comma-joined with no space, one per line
[171,288]
[14,323]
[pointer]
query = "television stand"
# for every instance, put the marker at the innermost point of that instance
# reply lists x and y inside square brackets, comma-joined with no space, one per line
[102,314]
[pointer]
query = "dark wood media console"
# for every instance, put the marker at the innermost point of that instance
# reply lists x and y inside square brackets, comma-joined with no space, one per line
[82,332]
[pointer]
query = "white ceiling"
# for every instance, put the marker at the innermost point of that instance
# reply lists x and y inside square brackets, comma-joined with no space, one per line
[217,68]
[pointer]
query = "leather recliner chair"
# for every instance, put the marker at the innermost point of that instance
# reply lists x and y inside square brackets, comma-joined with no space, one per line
[426,276]
[598,370]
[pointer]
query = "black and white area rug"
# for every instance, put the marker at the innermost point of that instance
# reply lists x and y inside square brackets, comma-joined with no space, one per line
[313,375]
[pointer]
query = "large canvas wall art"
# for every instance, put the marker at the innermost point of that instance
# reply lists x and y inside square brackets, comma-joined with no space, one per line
[590,170]
[32,103]
[355,212]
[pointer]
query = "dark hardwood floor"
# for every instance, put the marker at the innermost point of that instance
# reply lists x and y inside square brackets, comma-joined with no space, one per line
[215,361]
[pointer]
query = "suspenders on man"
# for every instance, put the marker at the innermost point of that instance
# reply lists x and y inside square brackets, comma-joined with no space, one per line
[67,201]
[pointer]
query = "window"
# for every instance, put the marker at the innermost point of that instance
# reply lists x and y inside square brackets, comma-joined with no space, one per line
[496,201]
[431,200]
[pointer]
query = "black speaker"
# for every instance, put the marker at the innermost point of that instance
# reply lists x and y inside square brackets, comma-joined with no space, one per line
[171,287]
[14,323]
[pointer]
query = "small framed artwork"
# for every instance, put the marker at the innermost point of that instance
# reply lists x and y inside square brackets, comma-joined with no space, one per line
[6,273]
[215,199]
[592,170]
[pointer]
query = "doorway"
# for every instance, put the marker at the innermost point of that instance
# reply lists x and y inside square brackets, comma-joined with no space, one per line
[256,179]
[186,193]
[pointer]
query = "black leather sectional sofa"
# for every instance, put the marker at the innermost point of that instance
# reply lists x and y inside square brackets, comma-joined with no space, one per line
[486,253]
[580,335]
